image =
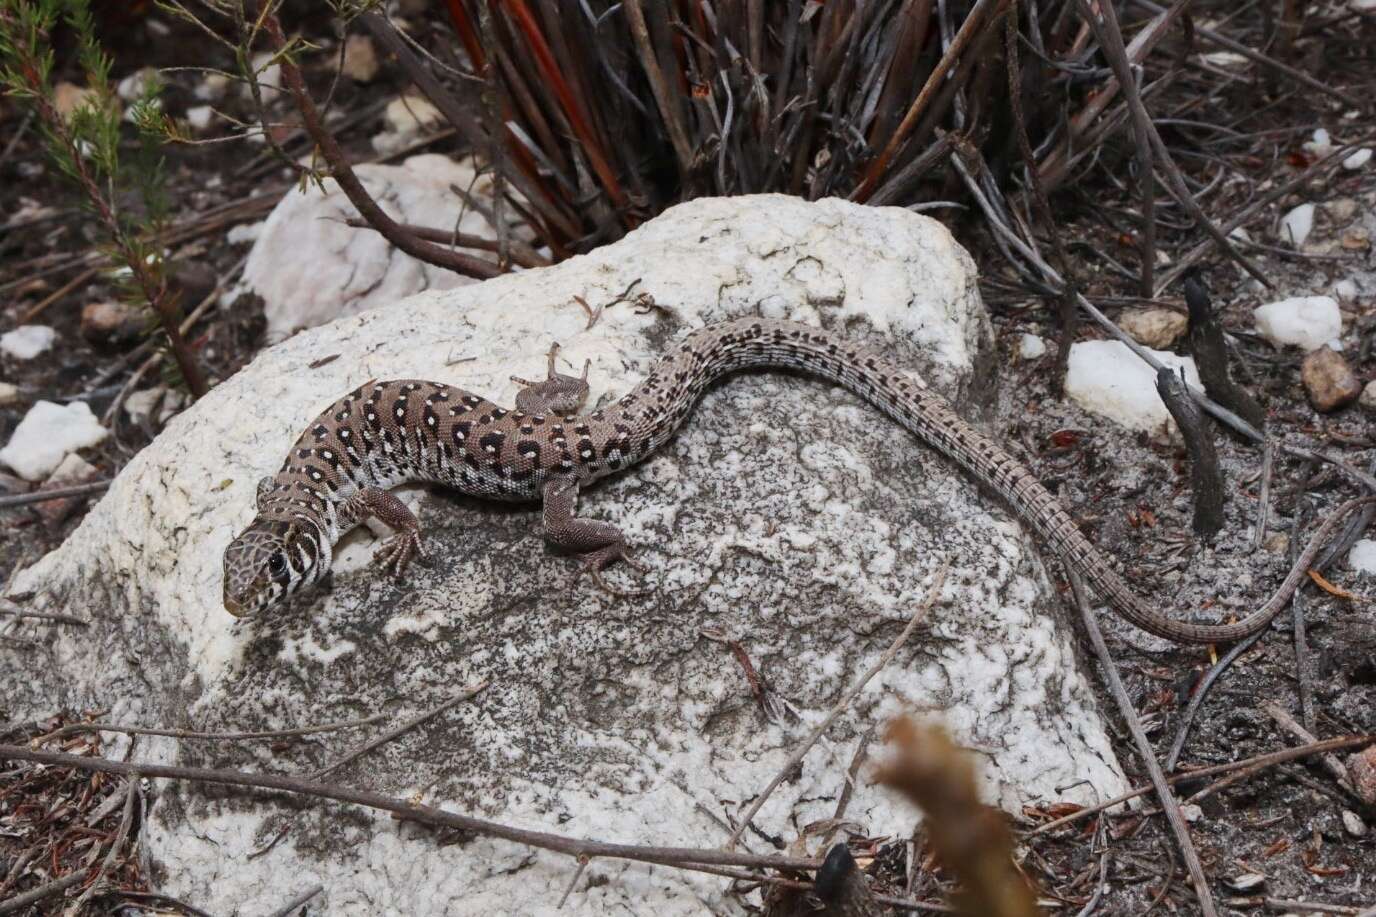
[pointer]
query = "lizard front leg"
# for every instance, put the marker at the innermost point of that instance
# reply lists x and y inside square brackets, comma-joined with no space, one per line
[398,550]
[596,543]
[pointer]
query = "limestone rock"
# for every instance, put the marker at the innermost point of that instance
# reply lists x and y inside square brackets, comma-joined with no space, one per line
[309,278]
[27,341]
[1154,328]
[1328,380]
[1368,396]
[1304,321]
[73,470]
[786,514]
[47,434]
[1108,379]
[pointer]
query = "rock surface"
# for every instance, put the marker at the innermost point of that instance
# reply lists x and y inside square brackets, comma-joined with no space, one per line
[27,341]
[307,278]
[786,515]
[1108,379]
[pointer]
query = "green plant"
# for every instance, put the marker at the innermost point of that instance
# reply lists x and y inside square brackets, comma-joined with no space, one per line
[84,145]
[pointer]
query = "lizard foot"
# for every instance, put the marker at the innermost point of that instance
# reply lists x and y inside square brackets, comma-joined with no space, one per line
[398,550]
[594,562]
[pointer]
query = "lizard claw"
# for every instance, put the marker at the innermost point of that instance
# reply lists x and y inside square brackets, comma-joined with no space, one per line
[398,550]
[596,561]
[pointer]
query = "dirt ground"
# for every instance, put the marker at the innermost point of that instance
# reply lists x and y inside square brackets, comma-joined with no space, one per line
[1310,840]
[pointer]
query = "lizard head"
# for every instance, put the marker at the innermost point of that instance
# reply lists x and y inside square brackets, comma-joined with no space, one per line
[271,560]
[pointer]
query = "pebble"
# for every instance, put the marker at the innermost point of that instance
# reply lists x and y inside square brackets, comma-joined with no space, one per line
[1031,347]
[1357,160]
[1362,557]
[27,341]
[212,88]
[1353,823]
[47,434]
[360,59]
[1296,225]
[1368,396]
[1328,380]
[1276,543]
[1304,321]
[133,86]
[1191,812]
[199,117]
[1245,882]
[406,117]
[1155,328]
[107,323]
[1341,209]
[9,394]
[1362,768]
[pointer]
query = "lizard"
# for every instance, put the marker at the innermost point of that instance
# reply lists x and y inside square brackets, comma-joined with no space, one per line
[382,434]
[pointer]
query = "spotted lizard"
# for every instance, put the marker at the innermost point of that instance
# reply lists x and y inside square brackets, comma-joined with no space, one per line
[384,434]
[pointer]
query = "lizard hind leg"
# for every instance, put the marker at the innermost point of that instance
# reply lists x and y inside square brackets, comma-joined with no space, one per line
[597,544]
[557,394]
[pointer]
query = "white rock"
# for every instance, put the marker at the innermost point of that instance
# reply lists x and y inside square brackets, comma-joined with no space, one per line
[1357,160]
[72,469]
[785,513]
[1108,379]
[140,405]
[9,394]
[308,279]
[27,341]
[200,116]
[1346,288]
[1191,812]
[1296,225]
[1362,557]
[1242,235]
[133,86]
[1320,144]
[1308,322]
[1353,823]
[406,117]
[269,78]
[1368,396]
[47,434]
[212,88]
[1031,347]
[1226,59]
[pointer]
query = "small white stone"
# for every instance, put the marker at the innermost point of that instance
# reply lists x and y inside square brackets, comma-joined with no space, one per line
[133,86]
[1225,59]
[1320,144]
[1108,379]
[1296,225]
[47,434]
[1031,347]
[410,115]
[1357,159]
[1362,557]
[9,394]
[1304,321]
[1368,396]
[1353,823]
[73,469]
[212,88]
[1346,288]
[1192,812]
[199,116]
[27,341]
[1240,234]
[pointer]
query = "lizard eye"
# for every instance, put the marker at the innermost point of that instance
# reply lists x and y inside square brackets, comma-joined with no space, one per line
[277,564]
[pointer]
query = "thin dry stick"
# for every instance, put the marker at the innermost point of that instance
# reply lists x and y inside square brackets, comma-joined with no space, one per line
[53,493]
[1255,763]
[1139,736]
[75,728]
[678,137]
[1268,462]
[411,811]
[55,887]
[19,611]
[843,704]
[131,792]
[404,728]
[1287,722]
[291,906]
[972,26]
